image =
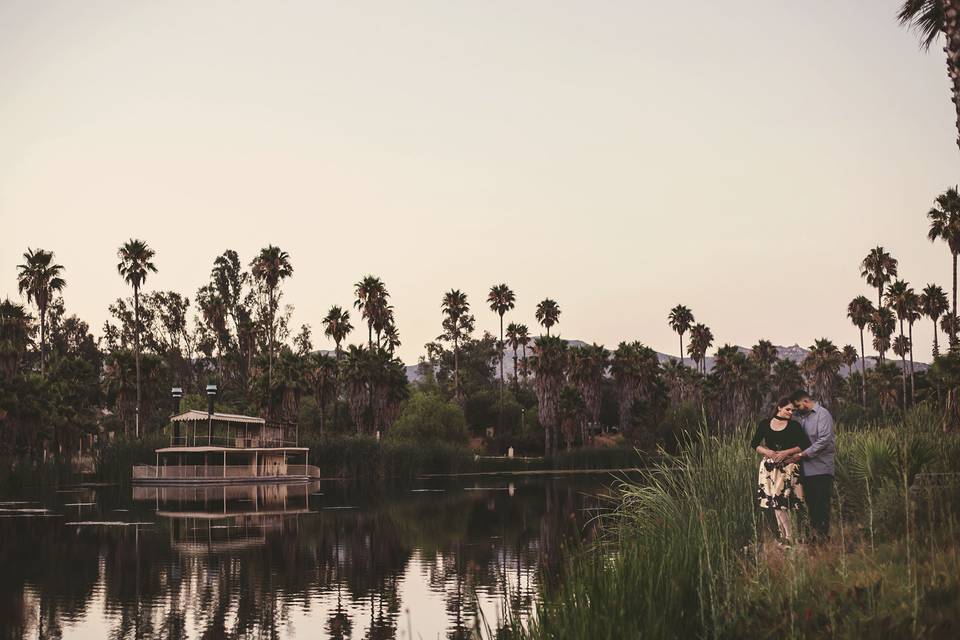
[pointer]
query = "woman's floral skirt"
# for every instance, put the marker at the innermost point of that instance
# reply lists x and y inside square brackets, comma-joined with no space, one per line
[778,486]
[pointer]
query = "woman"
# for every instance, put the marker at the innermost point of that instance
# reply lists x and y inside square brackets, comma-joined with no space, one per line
[778,439]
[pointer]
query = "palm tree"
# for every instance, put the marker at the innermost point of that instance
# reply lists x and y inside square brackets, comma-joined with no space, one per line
[860,310]
[588,364]
[15,330]
[457,324]
[912,313]
[945,225]
[680,319]
[821,367]
[214,312]
[549,365]
[878,268]
[39,277]
[849,357]
[322,377]
[786,378]
[336,326]
[634,367]
[523,339]
[371,299]
[136,261]
[269,268]
[391,338]
[901,347]
[513,339]
[701,338]
[548,313]
[764,354]
[882,325]
[904,301]
[931,18]
[933,304]
[501,299]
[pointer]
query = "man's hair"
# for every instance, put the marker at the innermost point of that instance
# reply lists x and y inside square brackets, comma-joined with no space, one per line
[799,395]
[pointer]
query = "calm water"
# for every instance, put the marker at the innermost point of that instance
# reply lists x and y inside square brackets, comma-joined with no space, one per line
[321,561]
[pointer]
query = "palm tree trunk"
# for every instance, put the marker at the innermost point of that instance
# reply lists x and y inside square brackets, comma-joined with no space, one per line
[863,372]
[516,375]
[913,386]
[681,348]
[936,345]
[136,352]
[953,328]
[903,376]
[43,341]
[500,417]
[456,370]
[370,335]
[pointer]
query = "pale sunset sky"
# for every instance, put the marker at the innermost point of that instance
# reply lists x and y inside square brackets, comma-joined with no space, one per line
[739,157]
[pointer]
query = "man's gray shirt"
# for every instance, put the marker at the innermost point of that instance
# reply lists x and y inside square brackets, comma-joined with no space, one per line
[818,458]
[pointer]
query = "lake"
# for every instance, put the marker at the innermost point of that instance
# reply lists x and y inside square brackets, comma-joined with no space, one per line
[325,560]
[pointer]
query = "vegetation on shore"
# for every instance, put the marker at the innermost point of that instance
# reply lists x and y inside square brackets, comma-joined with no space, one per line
[687,553]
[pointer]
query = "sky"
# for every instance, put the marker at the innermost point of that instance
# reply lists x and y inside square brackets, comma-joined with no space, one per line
[619,157]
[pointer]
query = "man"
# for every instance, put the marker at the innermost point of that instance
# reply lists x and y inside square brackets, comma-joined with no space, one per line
[816,461]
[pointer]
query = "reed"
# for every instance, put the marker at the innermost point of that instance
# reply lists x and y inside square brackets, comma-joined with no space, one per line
[687,553]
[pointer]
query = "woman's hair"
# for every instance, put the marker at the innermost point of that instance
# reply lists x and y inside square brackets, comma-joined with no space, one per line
[784,401]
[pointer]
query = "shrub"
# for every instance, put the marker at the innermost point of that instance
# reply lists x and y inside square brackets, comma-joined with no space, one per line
[427,417]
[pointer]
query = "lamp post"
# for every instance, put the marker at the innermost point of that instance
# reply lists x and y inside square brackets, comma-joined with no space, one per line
[211,396]
[176,393]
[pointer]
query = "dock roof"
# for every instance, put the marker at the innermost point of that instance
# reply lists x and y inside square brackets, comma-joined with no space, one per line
[196,415]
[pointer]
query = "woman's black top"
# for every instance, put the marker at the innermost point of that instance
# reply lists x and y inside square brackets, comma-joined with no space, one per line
[791,436]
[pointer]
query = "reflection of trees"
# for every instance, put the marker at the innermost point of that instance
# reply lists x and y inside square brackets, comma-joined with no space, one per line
[469,545]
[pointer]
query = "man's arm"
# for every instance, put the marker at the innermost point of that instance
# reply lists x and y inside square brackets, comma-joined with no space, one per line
[821,437]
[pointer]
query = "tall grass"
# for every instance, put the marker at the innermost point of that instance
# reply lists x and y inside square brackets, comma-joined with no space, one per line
[687,553]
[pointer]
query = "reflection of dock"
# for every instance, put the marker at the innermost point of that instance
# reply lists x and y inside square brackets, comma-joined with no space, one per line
[205,519]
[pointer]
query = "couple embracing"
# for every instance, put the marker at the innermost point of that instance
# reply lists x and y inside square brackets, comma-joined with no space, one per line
[798,449]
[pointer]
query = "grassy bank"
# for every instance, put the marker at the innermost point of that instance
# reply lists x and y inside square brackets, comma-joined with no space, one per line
[688,554]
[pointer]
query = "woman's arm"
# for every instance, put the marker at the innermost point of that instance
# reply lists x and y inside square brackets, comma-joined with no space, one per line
[779,456]
[758,437]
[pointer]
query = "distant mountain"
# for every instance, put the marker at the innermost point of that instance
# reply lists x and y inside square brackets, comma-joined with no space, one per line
[796,353]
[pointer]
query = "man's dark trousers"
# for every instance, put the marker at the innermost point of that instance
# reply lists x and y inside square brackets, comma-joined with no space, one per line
[816,493]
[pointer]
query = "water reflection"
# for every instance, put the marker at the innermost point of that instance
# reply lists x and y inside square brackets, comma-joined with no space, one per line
[285,560]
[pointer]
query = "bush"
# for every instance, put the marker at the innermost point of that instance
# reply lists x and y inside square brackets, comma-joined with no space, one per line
[428,418]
